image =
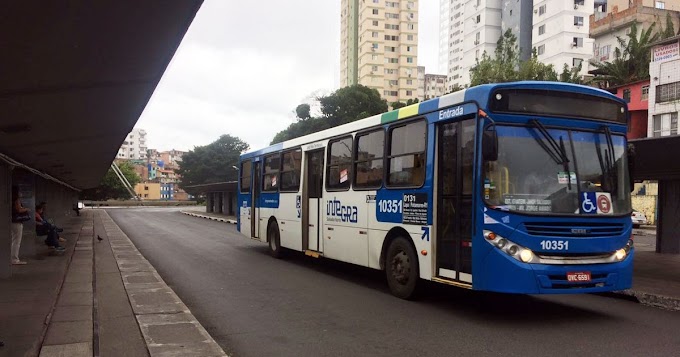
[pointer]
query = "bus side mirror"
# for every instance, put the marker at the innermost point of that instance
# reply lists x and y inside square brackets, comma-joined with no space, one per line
[490,145]
[631,165]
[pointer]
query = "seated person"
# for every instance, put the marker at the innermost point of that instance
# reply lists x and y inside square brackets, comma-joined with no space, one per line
[42,227]
[43,214]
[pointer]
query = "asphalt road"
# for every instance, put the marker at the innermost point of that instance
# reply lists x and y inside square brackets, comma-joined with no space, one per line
[254,305]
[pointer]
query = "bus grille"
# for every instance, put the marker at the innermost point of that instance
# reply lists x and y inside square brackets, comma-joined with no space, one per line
[577,229]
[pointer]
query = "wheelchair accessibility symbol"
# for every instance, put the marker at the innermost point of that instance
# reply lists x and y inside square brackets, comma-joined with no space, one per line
[596,203]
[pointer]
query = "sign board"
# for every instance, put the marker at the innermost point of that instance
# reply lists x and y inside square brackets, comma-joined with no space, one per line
[666,52]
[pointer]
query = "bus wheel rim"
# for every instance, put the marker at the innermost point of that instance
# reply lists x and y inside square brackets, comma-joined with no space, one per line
[401,267]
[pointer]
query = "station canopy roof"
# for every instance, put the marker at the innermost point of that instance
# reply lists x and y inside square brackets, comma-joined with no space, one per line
[76,76]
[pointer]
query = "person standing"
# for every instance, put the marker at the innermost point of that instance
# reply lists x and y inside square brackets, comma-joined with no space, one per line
[17,229]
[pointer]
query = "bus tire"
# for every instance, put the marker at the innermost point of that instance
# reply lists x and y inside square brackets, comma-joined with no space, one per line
[274,239]
[401,269]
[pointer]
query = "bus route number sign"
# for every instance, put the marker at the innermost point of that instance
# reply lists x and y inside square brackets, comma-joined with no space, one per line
[415,208]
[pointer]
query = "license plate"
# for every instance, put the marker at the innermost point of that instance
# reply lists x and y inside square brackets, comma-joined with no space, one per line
[578,277]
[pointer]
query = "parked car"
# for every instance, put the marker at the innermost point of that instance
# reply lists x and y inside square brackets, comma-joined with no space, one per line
[638,218]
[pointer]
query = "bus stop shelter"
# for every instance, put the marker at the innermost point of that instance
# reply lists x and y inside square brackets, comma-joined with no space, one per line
[220,197]
[76,76]
[655,160]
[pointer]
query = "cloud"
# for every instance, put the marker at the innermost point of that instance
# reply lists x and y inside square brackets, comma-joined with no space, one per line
[243,67]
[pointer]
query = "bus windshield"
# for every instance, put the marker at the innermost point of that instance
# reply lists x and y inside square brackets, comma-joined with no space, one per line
[531,176]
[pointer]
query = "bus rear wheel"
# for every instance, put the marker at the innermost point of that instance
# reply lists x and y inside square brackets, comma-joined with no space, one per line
[274,239]
[401,269]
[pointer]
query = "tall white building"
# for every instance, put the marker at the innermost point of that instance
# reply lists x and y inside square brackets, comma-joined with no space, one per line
[482,29]
[454,42]
[561,32]
[134,147]
[444,21]
[556,29]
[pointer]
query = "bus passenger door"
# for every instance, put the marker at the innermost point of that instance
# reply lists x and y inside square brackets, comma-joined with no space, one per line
[255,205]
[312,195]
[455,159]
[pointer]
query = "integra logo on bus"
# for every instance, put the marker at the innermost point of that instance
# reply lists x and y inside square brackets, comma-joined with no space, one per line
[451,112]
[336,212]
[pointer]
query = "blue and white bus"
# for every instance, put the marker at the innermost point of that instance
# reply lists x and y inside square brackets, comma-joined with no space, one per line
[517,187]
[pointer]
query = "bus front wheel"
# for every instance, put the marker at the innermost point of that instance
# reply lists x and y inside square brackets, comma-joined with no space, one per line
[401,269]
[274,239]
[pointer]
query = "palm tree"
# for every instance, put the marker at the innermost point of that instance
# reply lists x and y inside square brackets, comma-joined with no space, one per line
[631,59]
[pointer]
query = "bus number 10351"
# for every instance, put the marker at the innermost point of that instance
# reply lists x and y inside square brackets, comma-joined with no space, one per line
[390,206]
[555,245]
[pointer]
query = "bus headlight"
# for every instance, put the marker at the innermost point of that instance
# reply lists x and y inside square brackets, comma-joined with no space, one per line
[526,255]
[510,248]
[620,254]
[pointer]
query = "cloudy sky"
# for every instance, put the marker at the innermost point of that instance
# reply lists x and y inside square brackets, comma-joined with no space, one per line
[244,66]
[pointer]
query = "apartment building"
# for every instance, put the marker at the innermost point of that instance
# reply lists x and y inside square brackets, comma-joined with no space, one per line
[134,146]
[421,83]
[379,46]
[557,29]
[444,23]
[561,31]
[434,86]
[517,17]
[664,88]
[614,19]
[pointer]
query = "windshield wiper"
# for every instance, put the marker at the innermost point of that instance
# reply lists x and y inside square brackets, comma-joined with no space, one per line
[556,152]
[609,161]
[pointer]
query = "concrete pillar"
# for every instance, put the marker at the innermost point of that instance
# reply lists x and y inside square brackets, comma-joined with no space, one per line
[208,202]
[223,203]
[234,203]
[26,182]
[668,225]
[5,220]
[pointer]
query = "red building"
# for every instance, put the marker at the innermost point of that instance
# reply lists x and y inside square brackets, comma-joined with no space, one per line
[637,95]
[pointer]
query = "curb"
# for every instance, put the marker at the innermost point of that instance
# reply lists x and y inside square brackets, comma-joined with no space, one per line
[643,232]
[154,304]
[654,300]
[225,220]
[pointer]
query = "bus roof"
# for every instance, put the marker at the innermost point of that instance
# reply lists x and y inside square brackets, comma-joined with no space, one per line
[480,94]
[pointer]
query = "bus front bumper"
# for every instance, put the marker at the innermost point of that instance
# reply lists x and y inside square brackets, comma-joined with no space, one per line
[501,273]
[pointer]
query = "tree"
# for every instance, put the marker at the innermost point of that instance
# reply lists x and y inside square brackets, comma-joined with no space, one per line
[351,103]
[340,107]
[571,75]
[110,186]
[397,105]
[669,31]
[631,59]
[212,163]
[303,111]
[505,65]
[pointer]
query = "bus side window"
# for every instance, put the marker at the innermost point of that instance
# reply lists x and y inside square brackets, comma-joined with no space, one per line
[338,176]
[245,173]
[368,160]
[407,155]
[270,174]
[290,170]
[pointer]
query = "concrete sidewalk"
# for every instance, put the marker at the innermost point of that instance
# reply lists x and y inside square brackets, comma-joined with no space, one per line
[656,280]
[101,298]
